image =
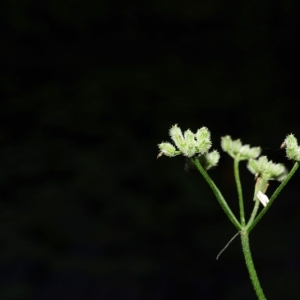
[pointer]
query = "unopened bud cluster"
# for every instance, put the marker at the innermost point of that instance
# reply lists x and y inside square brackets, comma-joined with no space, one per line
[189,144]
[292,148]
[236,150]
[267,169]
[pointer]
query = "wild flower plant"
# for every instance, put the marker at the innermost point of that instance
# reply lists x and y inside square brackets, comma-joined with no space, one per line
[196,146]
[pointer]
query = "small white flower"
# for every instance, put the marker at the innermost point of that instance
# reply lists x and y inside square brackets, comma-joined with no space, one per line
[264,200]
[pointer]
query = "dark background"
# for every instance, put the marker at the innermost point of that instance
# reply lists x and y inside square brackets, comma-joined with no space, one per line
[88,90]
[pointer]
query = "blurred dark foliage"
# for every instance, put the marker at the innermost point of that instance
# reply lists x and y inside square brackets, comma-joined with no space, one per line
[88,89]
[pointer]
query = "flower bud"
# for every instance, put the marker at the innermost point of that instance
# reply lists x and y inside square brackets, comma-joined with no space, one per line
[236,146]
[209,160]
[244,150]
[177,137]
[226,143]
[292,148]
[167,149]
[203,142]
[254,152]
[212,159]
[189,148]
[291,141]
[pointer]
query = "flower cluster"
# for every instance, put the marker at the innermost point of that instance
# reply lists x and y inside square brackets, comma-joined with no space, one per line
[188,144]
[292,148]
[267,169]
[197,145]
[236,150]
[263,169]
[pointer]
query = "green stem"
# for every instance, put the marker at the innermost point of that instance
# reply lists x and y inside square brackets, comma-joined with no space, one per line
[273,197]
[218,195]
[250,266]
[239,190]
[254,212]
[259,186]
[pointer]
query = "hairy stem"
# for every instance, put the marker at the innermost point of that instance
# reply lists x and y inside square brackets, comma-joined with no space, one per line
[239,190]
[250,266]
[254,212]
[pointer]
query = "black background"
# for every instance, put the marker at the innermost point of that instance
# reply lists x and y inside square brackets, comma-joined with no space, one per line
[88,90]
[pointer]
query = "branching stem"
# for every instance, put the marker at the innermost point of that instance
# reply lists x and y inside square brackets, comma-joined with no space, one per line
[218,195]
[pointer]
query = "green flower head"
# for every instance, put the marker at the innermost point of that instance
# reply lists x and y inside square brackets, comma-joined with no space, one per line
[292,148]
[236,150]
[267,169]
[188,144]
